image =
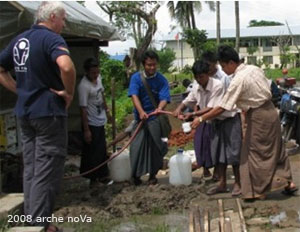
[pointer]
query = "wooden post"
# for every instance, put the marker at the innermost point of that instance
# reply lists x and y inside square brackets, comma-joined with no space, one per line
[191,221]
[242,219]
[228,225]
[221,216]
[197,220]
[206,221]
[113,111]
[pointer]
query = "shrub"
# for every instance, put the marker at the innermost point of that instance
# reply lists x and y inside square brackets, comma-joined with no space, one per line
[166,58]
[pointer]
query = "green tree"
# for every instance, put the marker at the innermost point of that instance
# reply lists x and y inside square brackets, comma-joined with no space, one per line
[113,68]
[166,58]
[196,39]
[103,56]
[283,42]
[134,19]
[251,50]
[184,13]
[263,23]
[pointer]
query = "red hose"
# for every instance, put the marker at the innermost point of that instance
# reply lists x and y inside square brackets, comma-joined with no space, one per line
[117,152]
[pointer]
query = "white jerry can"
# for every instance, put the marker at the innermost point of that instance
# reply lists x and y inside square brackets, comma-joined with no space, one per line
[180,169]
[120,168]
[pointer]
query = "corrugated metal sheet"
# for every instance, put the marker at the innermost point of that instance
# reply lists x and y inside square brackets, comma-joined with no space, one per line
[80,21]
[245,32]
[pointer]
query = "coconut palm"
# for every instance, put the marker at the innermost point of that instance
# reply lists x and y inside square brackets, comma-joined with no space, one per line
[237,25]
[184,12]
[218,22]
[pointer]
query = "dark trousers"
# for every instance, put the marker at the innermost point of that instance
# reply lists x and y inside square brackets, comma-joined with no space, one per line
[94,154]
[44,142]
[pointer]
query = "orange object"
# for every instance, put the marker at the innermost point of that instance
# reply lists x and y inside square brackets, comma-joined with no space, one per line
[285,71]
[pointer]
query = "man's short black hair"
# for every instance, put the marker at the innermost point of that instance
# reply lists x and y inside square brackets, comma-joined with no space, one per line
[227,53]
[90,63]
[149,54]
[200,67]
[209,56]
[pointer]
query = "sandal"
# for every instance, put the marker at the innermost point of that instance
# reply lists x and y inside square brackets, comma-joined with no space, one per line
[260,197]
[152,181]
[206,173]
[236,192]
[137,181]
[289,191]
[215,190]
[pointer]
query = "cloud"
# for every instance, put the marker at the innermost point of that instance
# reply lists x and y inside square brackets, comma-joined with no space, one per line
[270,10]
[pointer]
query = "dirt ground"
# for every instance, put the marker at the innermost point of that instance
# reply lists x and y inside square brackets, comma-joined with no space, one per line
[125,207]
[163,207]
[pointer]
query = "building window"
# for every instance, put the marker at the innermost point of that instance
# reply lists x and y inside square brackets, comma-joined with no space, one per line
[249,42]
[268,59]
[251,60]
[267,44]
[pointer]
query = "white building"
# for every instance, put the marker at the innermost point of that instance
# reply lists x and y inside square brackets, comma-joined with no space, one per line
[261,38]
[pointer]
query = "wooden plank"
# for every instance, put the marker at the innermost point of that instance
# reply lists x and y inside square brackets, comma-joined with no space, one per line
[235,219]
[221,216]
[191,221]
[197,220]
[242,219]
[206,221]
[228,224]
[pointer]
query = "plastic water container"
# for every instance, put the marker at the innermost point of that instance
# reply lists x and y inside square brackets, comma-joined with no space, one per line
[120,168]
[180,169]
[186,127]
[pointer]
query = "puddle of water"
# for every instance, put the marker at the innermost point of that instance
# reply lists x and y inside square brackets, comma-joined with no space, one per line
[170,222]
[278,218]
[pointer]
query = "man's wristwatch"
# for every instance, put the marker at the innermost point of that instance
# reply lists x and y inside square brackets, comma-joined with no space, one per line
[200,119]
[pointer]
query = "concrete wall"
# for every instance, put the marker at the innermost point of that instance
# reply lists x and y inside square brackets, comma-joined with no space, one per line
[184,54]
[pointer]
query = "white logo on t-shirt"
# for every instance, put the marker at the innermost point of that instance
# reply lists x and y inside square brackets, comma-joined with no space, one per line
[21,54]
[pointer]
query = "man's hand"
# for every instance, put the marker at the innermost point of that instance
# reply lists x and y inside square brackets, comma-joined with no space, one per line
[63,93]
[195,123]
[187,116]
[143,115]
[87,136]
[177,112]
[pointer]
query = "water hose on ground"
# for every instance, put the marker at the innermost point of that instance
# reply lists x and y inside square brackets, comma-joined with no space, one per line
[117,153]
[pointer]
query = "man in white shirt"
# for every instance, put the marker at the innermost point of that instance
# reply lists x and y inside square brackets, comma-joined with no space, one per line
[226,137]
[264,165]
[204,95]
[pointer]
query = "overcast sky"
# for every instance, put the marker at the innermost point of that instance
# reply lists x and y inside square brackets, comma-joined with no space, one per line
[271,10]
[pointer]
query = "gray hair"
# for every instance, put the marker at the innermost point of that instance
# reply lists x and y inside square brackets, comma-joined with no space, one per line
[47,8]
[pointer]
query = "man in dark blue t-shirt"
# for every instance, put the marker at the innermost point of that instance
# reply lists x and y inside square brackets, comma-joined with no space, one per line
[45,79]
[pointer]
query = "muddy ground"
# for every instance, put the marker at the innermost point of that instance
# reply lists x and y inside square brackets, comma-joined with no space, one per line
[125,207]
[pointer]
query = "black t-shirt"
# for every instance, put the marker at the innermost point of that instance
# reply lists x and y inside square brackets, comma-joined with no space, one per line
[33,56]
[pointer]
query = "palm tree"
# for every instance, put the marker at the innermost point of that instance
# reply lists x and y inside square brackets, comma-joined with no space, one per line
[218,22]
[184,11]
[237,25]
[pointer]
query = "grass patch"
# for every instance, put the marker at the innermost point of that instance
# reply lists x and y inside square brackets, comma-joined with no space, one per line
[3,224]
[158,211]
[178,77]
[275,73]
